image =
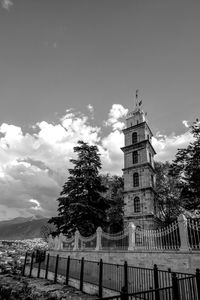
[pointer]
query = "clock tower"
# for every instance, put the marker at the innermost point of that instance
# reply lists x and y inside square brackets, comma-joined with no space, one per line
[139,173]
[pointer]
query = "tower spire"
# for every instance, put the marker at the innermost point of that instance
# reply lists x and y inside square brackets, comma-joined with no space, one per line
[136,98]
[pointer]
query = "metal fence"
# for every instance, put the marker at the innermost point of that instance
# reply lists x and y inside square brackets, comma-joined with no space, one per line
[181,234]
[142,283]
[193,226]
[181,289]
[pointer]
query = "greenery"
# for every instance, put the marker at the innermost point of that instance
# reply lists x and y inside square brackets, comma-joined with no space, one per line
[185,170]
[167,193]
[115,213]
[81,204]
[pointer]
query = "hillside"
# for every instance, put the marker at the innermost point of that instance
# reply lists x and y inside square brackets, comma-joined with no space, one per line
[22,228]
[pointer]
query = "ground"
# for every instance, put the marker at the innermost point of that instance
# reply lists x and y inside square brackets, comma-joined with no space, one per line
[23,288]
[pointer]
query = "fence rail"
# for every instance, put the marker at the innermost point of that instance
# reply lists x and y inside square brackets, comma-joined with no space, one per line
[135,282]
[184,234]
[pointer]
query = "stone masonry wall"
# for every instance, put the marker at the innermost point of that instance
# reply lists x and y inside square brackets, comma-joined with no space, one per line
[180,261]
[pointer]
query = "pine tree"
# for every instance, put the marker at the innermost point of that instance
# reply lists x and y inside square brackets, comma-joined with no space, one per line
[186,169]
[81,204]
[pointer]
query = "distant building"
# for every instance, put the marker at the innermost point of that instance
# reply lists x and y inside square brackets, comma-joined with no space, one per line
[139,172]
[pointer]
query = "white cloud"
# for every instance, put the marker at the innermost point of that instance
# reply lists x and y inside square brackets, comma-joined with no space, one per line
[166,146]
[186,123]
[116,113]
[37,204]
[34,166]
[90,108]
[6,4]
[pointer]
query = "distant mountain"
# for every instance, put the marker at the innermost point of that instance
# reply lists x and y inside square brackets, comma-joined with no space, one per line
[22,228]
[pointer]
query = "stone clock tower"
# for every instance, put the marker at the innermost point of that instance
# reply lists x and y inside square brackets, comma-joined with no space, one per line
[139,173]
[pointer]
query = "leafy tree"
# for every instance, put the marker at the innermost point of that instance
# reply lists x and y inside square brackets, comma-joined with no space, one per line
[46,230]
[186,169]
[114,193]
[167,193]
[81,202]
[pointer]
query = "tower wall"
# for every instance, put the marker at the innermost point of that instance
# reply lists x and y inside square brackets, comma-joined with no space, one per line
[139,173]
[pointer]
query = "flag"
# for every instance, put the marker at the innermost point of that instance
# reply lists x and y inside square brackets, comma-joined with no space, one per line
[140,103]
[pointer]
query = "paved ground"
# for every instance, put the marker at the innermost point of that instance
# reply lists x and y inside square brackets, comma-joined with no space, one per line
[21,288]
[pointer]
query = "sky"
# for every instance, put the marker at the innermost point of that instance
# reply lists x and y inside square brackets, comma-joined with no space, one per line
[69,70]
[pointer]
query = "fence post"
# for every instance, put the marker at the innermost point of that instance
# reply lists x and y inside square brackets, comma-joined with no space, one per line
[124,293]
[47,267]
[51,242]
[198,282]
[60,242]
[131,236]
[126,276]
[156,282]
[67,270]
[24,266]
[99,235]
[182,224]
[81,274]
[39,265]
[56,268]
[175,290]
[100,278]
[77,234]
[31,266]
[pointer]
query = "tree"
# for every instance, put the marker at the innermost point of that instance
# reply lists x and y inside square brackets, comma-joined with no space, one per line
[81,203]
[186,170]
[114,193]
[46,230]
[167,193]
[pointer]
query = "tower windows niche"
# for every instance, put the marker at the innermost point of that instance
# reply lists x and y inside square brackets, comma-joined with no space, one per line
[150,158]
[135,157]
[136,204]
[135,179]
[134,137]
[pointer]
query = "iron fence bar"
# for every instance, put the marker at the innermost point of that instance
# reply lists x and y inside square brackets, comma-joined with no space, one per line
[81,274]
[56,269]
[39,266]
[100,278]
[24,266]
[126,276]
[175,288]
[156,282]
[47,267]
[31,266]
[198,282]
[67,270]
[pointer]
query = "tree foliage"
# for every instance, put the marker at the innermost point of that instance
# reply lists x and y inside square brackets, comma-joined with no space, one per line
[82,205]
[46,230]
[114,193]
[167,193]
[186,170]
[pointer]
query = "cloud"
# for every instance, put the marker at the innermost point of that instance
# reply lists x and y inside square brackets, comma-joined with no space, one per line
[33,166]
[6,4]
[186,123]
[167,146]
[37,204]
[90,108]
[116,113]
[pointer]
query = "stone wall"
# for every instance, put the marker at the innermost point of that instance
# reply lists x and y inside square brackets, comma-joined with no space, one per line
[180,261]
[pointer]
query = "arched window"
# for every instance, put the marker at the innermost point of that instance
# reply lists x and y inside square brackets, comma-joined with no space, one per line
[135,179]
[136,204]
[135,157]
[150,158]
[152,181]
[134,137]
